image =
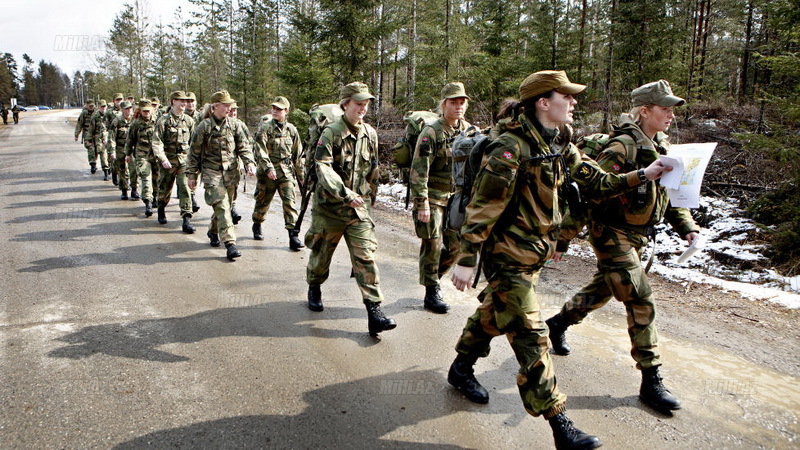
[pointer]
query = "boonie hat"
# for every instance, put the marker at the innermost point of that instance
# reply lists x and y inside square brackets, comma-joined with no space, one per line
[454,90]
[190,96]
[357,91]
[655,93]
[234,105]
[280,102]
[221,97]
[125,104]
[548,80]
[118,96]
[144,105]
[90,102]
[102,103]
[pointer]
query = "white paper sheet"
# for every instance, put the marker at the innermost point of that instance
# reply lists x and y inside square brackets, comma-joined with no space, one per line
[689,171]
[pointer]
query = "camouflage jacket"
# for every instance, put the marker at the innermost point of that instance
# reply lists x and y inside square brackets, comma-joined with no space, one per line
[516,211]
[118,132]
[97,125]
[140,138]
[647,205]
[432,166]
[111,114]
[172,136]
[82,125]
[278,147]
[346,160]
[217,145]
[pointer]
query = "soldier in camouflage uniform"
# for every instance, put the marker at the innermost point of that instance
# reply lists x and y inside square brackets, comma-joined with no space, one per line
[514,220]
[619,231]
[112,113]
[431,186]
[118,134]
[139,148]
[239,127]
[82,126]
[170,147]
[279,152]
[99,132]
[346,165]
[191,111]
[216,146]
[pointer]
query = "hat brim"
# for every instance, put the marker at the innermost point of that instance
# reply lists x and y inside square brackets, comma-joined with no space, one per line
[671,100]
[145,108]
[571,88]
[361,96]
[458,96]
[279,106]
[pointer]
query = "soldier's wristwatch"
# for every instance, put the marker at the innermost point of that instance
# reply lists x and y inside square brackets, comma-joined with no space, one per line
[641,175]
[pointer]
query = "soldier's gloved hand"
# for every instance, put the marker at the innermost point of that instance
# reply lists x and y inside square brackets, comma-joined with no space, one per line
[272,175]
[462,277]
[655,170]
[165,164]
[424,215]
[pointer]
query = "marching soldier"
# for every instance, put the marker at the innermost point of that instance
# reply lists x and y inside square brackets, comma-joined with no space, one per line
[216,146]
[239,126]
[431,186]
[82,127]
[279,152]
[139,147]
[111,114]
[191,111]
[99,132]
[346,161]
[170,147]
[118,134]
[619,231]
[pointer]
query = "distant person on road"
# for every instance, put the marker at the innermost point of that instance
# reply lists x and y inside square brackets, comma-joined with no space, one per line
[431,187]
[346,165]
[279,153]
[513,221]
[619,230]
[97,128]
[216,146]
[118,134]
[139,149]
[4,114]
[82,127]
[15,113]
[112,112]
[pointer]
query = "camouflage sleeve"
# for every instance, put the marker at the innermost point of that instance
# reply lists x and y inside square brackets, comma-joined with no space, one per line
[112,135]
[595,182]
[424,153]
[244,146]
[194,158]
[79,124]
[493,189]
[91,127]
[158,140]
[130,141]
[327,178]
[297,154]
[260,151]
[681,220]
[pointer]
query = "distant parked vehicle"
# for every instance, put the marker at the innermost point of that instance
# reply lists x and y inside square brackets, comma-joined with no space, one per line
[42,108]
[30,108]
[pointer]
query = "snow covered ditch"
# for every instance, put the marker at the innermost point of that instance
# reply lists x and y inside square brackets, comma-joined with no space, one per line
[719,264]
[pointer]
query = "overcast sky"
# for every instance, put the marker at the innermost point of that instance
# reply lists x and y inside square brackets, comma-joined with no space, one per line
[68,33]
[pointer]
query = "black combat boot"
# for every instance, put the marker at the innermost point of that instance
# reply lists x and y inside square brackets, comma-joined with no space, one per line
[558,341]
[214,237]
[135,194]
[235,216]
[377,321]
[315,298]
[93,167]
[462,377]
[257,233]
[655,394]
[187,225]
[294,241]
[566,436]
[124,195]
[105,174]
[233,252]
[148,208]
[433,300]
[195,206]
[162,215]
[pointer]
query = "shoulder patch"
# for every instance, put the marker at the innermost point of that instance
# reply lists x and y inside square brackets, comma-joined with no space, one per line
[584,171]
[507,155]
[425,139]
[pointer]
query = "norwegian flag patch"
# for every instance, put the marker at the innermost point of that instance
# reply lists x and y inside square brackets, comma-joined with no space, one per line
[507,155]
[319,142]
[425,139]
[615,167]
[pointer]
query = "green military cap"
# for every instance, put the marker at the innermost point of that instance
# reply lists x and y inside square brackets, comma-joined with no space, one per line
[145,105]
[280,102]
[191,96]
[234,105]
[130,96]
[118,96]
[454,90]
[102,103]
[545,81]
[357,91]
[90,102]
[155,100]
[655,93]
[125,104]
[178,95]
[222,97]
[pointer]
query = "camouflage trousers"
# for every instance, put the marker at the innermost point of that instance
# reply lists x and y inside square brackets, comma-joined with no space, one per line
[91,152]
[148,174]
[620,273]
[220,188]
[126,173]
[439,248]
[322,238]
[509,306]
[100,150]
[264,193]
[167,178]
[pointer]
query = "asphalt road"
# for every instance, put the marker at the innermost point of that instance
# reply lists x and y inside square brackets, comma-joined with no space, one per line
[119,332]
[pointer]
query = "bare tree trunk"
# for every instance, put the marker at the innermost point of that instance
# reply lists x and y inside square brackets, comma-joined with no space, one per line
[696,36]
[411,72]
[447,12]
[745,67]
[381,62]
[703,48]
[554,43]
[607,103]
[582,41]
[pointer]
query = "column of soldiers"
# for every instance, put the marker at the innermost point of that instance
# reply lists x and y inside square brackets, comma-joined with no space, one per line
[515,221]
